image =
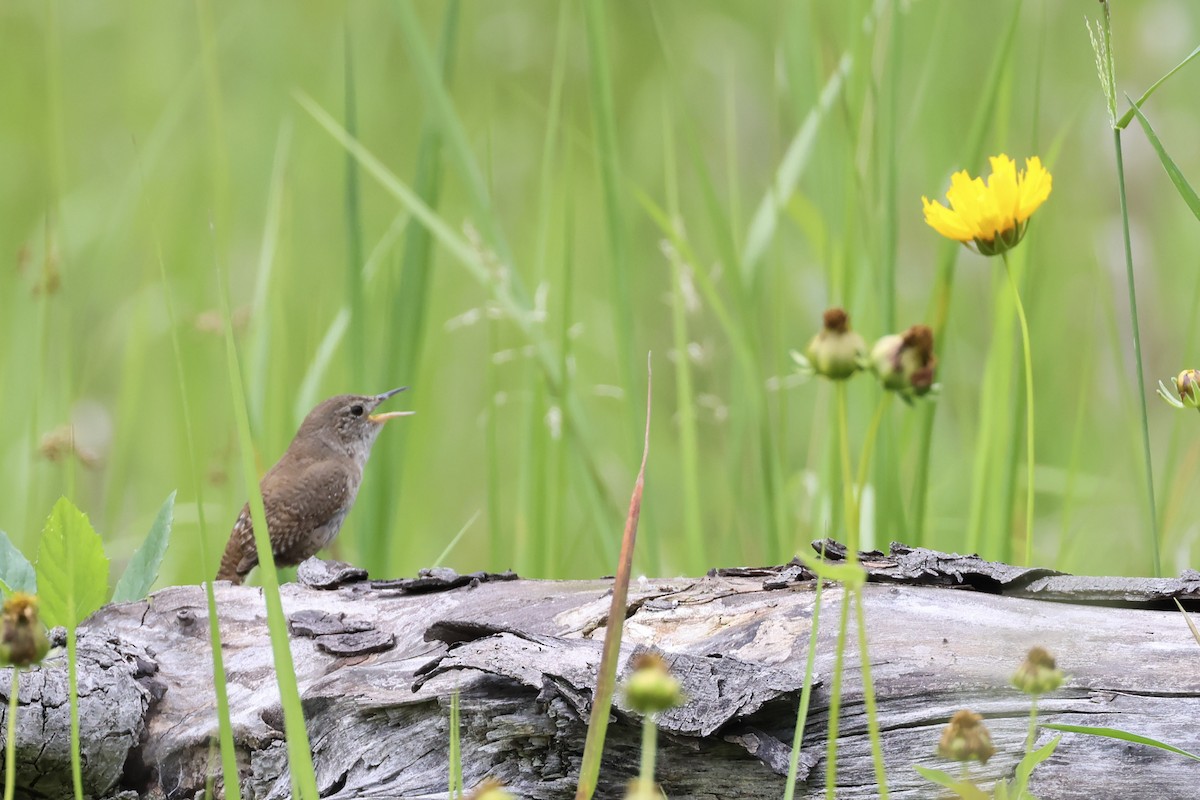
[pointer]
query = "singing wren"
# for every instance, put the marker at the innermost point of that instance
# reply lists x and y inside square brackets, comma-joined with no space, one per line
[309,492]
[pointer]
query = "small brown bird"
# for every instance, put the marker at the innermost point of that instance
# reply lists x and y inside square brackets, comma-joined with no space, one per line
[309,492]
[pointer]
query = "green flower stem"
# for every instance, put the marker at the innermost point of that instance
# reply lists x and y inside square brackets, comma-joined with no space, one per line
[864,458]
[835,700]
[1029,455]
[1032,735]
[10,741]
[805,694]
[649,745]
[843,412]
[869,694]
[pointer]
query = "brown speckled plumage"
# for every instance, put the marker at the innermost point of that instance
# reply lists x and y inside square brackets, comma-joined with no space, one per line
[309,492]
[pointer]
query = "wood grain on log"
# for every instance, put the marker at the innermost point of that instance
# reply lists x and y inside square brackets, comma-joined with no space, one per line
[378,662]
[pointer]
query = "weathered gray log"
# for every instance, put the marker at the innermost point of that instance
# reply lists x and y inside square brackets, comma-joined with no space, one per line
[378,662]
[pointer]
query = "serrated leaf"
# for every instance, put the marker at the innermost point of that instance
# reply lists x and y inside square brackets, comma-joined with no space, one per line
[16,573]
[72,571]
[142,570]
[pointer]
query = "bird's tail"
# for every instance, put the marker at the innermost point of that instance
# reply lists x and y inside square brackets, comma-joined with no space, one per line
[229,563]
[232,558]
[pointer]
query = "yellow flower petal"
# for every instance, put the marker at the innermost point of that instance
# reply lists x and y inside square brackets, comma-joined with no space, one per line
[1002,184]
[1035,188]
[946,222]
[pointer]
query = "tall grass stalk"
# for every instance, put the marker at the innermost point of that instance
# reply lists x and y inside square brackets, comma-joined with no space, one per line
[408,308]
[299,755]
[685,403]
[229,766]
[356,346]
[604,118]
[606,677]
[300,764]
[1108,78]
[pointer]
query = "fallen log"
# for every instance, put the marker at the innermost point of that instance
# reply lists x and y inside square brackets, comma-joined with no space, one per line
[377,663]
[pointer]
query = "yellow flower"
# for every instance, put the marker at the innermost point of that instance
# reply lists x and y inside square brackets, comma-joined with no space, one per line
[992,216]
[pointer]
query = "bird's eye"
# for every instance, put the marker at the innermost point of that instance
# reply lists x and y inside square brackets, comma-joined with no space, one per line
[356,410]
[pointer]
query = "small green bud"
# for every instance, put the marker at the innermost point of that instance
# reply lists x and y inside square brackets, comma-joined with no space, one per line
[22,636]
[652,687]
[966,738]
[836,352]
[905,362]
[1037,673]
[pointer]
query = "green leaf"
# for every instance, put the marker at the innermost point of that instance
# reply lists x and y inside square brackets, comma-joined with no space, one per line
[139,576]
[1027,764]
[72,572]
[16,573]
[964,789]
[1181,185]
[1125,736]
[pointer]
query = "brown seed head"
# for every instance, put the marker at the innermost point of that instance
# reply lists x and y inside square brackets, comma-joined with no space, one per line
[966,738]
[22,636]
[836,320]
[1038,673]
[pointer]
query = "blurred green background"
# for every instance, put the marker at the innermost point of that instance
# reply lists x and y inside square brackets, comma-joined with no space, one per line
[570,138]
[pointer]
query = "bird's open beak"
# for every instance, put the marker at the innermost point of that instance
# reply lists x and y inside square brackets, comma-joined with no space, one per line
[384,417]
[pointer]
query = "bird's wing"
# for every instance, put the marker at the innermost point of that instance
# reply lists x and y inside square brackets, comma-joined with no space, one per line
[295,507]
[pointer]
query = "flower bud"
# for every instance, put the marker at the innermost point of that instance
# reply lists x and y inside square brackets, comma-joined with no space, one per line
[905,362]
[652,687]
[1037,673]
[966,738]
[1187,383]
[836,352]
[22,636]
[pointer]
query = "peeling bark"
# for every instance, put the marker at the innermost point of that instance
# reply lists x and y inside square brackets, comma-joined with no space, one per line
[378,662]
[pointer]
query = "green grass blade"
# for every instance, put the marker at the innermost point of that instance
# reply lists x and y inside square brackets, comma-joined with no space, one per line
[1173,172]
[442,108]
[409,304]
[356,340]
[697,558]
[791,169]
[15,570]
[1120,735]
[604,117]
[300,763]
[229,764]
[1127,117]
[142,570]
